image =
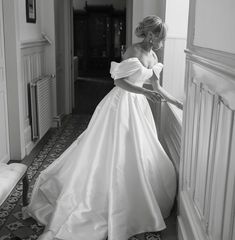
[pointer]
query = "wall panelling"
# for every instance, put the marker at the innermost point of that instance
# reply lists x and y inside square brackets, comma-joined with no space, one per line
[33,68]
[207,167]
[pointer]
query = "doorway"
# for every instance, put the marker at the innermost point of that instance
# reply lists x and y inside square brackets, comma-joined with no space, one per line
[99,37]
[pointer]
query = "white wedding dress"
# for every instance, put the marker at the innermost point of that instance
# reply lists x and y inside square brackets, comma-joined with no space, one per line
[115,180]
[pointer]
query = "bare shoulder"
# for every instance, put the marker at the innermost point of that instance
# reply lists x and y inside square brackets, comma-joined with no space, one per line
[132,51]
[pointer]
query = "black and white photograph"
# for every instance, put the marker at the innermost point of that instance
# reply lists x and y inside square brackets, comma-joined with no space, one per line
[117,120]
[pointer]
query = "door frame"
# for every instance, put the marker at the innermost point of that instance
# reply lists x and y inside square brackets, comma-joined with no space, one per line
[13,78]
[68,34]
[5,158]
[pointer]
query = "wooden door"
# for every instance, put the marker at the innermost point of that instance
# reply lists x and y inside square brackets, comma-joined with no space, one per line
[4,136]
[63,46]
[99,39]
[207,167]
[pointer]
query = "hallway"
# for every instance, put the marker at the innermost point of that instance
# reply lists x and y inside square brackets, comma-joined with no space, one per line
[52,146]
[37,94]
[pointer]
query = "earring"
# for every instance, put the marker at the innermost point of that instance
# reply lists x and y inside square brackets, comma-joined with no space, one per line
[151,41]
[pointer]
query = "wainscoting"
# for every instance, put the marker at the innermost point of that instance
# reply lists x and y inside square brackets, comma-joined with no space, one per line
[207,191]
[207,167]
[168,121]
[171,124]
[33,68]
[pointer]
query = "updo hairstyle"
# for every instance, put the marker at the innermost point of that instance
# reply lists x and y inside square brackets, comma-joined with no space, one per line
[151,23]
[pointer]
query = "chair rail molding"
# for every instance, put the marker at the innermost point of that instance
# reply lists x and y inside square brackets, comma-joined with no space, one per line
[207,167]
[207,188]
[34,43]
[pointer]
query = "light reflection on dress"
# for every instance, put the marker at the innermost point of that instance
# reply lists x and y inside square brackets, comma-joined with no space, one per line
[115,180]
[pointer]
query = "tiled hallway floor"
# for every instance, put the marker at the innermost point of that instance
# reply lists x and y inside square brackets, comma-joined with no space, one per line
[57,140]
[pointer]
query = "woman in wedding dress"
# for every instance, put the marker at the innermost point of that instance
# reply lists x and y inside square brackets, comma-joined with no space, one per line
[115,180]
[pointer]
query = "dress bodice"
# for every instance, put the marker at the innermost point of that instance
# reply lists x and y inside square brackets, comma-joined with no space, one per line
[134,71]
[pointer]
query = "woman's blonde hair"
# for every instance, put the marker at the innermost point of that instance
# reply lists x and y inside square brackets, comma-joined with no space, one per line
[151,23]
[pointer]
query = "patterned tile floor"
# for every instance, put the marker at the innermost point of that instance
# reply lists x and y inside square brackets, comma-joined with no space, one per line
[11,222]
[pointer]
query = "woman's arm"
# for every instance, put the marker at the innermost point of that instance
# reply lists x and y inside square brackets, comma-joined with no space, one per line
[168,97]
[133,51]
[152,95]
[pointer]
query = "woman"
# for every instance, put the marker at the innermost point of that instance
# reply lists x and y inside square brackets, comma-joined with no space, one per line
[115,180]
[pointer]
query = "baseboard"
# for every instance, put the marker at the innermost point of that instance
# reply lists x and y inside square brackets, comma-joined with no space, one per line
[29,144]
[29,147]
[189,225]
[57,120]
[37,146]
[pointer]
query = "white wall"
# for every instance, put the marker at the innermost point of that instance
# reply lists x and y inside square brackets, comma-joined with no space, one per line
[176,18]
[13,80]
[117,4]
[174,57]
[29,31]
[16,33]
[4,132]
[214,22]
[48,27]
[45,23]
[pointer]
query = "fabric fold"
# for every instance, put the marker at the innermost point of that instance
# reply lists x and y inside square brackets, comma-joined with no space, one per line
[116,179]
[125,68]
[131,66]
[157,68]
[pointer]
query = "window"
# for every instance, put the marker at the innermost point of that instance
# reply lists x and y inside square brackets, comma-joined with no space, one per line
[176,18]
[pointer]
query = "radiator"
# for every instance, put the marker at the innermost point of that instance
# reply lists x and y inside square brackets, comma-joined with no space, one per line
[40,107]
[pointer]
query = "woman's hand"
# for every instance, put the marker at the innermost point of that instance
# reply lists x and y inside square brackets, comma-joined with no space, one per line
[165,95]
[152,95]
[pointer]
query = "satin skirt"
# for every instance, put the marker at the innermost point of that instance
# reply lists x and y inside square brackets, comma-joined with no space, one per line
[115,180]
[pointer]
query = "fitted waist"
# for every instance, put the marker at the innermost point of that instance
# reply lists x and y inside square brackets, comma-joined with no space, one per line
[119,92]
[120,89]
